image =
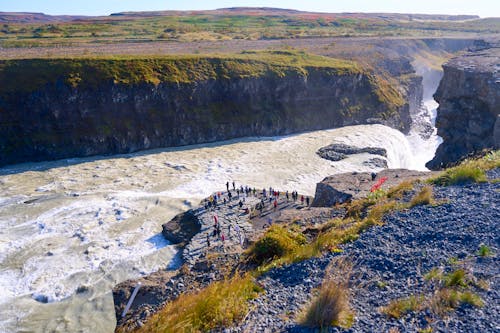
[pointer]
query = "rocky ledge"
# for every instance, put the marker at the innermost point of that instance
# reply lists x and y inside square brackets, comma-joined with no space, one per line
[469,105]
[354,185]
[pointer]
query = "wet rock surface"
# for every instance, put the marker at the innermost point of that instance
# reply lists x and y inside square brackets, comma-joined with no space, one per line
[339,151]
[390,262]
[181,228]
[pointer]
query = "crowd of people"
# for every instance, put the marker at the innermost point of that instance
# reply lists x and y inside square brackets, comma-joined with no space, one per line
[236,197]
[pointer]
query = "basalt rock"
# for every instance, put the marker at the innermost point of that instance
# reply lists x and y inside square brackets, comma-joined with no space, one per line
[339,151]
[469,105]
[181,228]
[60,108]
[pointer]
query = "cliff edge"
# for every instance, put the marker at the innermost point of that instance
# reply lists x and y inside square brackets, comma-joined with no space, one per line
[469,105]
[75,107]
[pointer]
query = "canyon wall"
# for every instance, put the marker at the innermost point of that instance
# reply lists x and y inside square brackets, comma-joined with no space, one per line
[60,108]
[469,105]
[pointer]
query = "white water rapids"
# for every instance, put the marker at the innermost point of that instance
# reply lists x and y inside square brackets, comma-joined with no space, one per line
[70,230]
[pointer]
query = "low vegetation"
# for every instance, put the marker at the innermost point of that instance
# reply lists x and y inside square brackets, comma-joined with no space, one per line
[216,26]
[278,241]
[399,307]
[27,75]
[331,306]
[447,292]
[469,171]
[484,251]
[424,197]
[219,305]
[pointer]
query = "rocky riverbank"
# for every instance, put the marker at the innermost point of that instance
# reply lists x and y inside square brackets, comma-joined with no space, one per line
[209,250]
[391,262]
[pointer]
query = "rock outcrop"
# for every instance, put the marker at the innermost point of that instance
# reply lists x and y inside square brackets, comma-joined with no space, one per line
[469,105]
[340,151]
[355,185]
[60,108]
[181,228]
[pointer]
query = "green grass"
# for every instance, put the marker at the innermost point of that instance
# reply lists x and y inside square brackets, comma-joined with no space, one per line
[469,171]
[209,27]
[399,307]
[484,251]
[88,72]
[219,305]
[278,241]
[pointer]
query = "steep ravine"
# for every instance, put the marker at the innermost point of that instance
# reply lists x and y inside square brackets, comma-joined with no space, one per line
[469,105]
[52,109]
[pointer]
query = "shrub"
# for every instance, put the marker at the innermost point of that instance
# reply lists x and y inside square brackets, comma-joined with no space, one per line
[424,197]
[277,242]
[331,306]
[462,174]
[219,305]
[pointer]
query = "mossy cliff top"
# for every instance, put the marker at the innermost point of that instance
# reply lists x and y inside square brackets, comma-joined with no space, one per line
[29,75]
[84,72]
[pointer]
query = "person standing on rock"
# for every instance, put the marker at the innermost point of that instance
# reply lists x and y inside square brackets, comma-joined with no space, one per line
[275,204]
[228,230]
[287,196]
[307,201]
[302,199]
[208,240]
[227,186]
[234,186]
[216,219]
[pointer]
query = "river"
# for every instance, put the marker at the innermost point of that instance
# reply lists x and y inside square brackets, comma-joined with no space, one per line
[71,229]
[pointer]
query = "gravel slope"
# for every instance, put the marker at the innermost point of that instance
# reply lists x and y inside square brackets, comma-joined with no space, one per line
[397,255]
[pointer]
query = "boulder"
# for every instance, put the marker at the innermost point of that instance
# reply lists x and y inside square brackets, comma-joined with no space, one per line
[181,228]
[354,185]
[339,151]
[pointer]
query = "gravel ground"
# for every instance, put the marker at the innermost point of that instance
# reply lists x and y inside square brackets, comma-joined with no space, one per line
[390,262]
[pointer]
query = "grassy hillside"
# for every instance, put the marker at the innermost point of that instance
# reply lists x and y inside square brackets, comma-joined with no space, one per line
[223,25]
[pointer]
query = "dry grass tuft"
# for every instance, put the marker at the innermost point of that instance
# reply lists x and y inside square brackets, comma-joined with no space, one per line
[397,192]
[331,306]
[424,197]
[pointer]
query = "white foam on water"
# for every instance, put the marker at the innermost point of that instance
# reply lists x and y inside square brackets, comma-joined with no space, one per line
[423,150]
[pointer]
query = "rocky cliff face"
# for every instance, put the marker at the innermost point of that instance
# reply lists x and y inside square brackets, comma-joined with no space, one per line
[469,105]
[51,109]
